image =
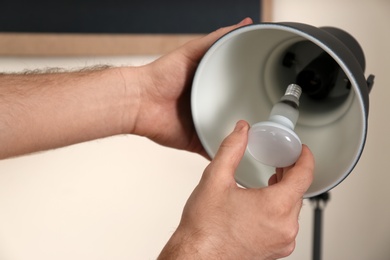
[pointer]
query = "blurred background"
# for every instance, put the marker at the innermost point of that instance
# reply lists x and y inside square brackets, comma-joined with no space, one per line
[122,197]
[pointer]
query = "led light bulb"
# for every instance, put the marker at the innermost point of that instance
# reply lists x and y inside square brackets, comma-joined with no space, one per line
[274,142]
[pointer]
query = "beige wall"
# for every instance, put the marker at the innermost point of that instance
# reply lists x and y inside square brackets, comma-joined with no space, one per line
[121,197]
[357,218]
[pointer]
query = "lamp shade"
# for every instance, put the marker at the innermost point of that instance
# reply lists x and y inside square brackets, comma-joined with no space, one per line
[247,71]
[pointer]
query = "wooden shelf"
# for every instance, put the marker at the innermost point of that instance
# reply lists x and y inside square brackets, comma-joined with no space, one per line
[32,44]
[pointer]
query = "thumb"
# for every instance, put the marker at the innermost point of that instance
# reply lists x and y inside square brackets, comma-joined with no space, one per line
[231,151]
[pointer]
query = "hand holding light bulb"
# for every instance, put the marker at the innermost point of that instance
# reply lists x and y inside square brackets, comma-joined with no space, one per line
[274,142]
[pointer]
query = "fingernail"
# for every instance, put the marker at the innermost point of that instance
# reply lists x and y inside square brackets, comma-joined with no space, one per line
[244,21]
[240,125]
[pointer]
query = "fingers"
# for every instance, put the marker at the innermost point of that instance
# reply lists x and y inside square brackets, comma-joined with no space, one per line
[195,49]
[299,177]
[212,37]
[276,177]
[230,152]
[272,180]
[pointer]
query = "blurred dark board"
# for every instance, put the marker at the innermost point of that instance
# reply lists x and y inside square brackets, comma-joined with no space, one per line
[121,16]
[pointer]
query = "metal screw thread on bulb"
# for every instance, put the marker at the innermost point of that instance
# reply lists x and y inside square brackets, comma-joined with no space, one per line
[294,90]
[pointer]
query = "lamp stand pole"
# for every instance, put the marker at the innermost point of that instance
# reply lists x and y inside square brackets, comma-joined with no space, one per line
[319,203]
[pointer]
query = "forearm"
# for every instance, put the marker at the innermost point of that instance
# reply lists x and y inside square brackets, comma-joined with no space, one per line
[197,244]
[49,110]
[187,246]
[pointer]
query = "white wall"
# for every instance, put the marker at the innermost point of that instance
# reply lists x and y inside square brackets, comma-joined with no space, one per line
[121,197]
[356,224]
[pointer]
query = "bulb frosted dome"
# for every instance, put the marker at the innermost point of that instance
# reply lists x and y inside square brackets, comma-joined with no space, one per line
[274,144]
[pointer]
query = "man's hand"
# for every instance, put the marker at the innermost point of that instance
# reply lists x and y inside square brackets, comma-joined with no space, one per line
[165,109]
[223,221]
[46,110]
